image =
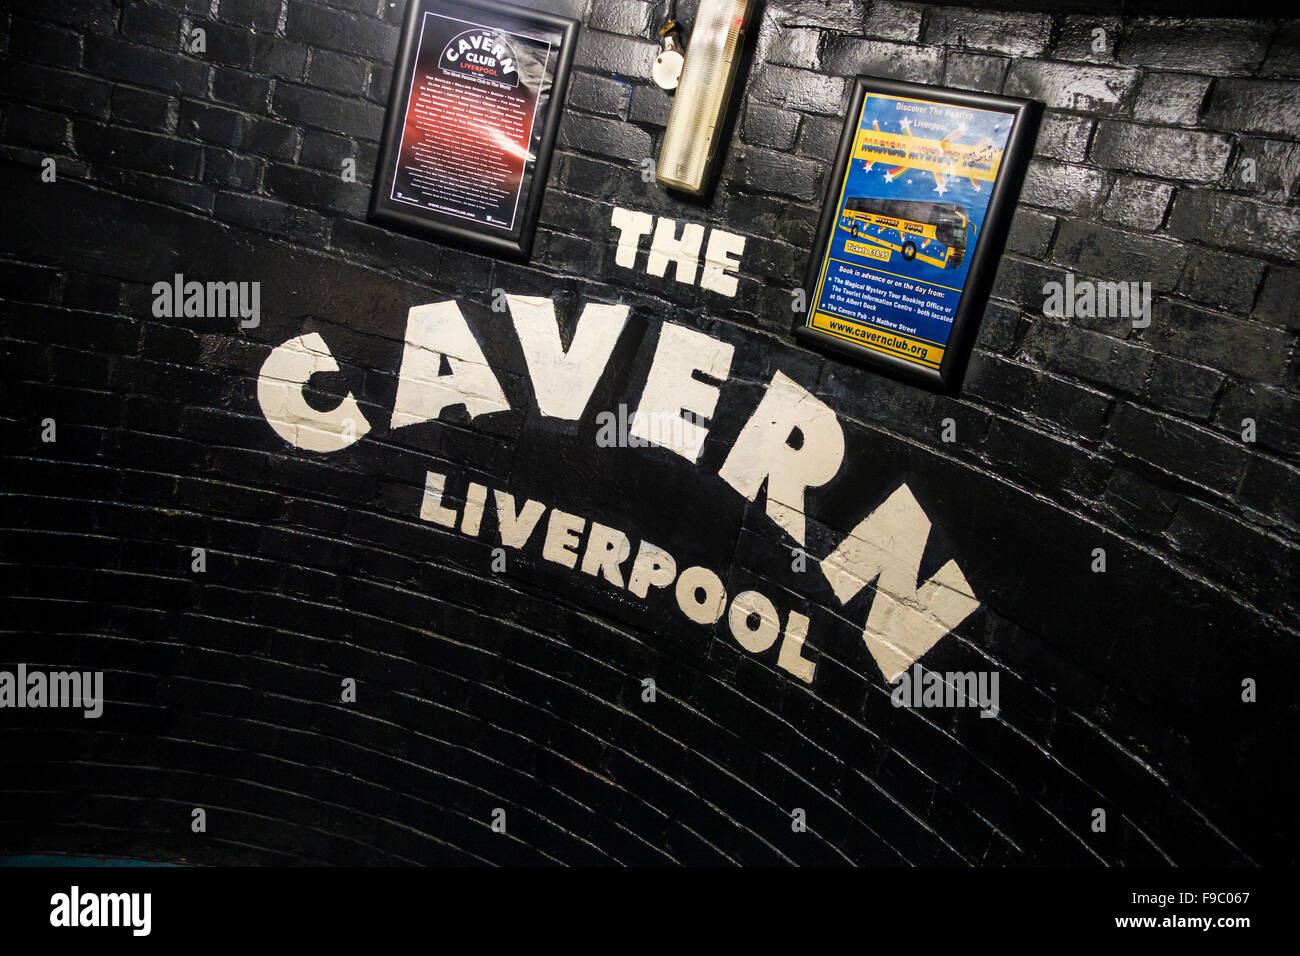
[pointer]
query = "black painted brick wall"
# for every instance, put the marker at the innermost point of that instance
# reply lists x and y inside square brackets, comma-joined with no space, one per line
[522,690]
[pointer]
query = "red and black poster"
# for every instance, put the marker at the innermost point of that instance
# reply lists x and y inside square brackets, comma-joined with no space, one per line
[472,122]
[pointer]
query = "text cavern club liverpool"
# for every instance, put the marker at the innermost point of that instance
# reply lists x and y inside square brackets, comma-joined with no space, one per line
[906,618]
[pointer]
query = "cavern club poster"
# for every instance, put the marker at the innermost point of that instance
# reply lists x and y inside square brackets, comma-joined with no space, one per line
[914,223]
[472,122]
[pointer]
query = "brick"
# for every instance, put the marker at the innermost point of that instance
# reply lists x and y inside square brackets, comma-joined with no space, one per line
[1172,98]
[1183,388]
[1000,327]
[1064,137]
[325,150]
[1078,40]
[650,105]
[1272,489]
[599,94]
[1233,552]
[156,26]
[590,177]
[325,191]
[1178,448]
[280,58]
[1078,411]
[227,45]
[779,174]
[131,63]
[1279,300]
[1158,151]
[820,137]
[767,126]
[1223,281]
[1016,34]
[30,283]
[381,78]
[1265,168]
[893,21]
[1063,86]
[974,71]
[604,137]
[268,215]
[385,248]
[93,16]
[847,56]
[329,29]
[173,192]
[795,46]
[1115,255]
[44,43]
[239,88]
[226,169]
[571,213]
[1031,232]
[798,90]
[44,86]
[1041,462]
[1089,355]
[629,17]
[337,72]
[1138,203]
[260,15]
[326,111]
[134,149]
[211,124]
[40,129]
[1068,188]
[1276,414]
[1195,46]
[1021,282]
[1255,106]
[1231,222]
[1284,54]
[998,380]
[1237,346]
[270,139]
[1139,504]
[615,55]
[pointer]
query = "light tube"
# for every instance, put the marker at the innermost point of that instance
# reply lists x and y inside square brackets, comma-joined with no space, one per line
[695,124]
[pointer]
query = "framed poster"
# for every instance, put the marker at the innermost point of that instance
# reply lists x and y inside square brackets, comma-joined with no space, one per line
[472,118]
[913,226]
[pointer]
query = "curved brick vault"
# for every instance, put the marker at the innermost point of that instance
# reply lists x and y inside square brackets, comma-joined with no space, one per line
[521,688]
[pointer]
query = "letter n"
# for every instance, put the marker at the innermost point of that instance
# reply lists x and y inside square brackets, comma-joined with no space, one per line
[905,621]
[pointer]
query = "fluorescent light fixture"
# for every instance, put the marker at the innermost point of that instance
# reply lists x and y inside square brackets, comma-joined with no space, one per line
[703,94]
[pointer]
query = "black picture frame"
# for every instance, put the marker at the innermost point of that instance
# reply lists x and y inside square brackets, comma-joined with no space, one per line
[984,258]
[462,230]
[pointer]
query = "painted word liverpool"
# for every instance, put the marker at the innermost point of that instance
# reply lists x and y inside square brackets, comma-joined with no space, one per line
[791,442]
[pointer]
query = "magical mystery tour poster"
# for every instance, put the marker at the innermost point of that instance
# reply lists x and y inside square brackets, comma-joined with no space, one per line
[910,210]
[471,120]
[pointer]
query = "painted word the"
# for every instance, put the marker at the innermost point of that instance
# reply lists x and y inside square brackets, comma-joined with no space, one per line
[679,248]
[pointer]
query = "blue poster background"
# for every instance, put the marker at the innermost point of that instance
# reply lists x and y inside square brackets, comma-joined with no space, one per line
[941,293]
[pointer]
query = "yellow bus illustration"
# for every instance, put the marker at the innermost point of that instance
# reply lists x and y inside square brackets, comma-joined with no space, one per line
[934,232]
